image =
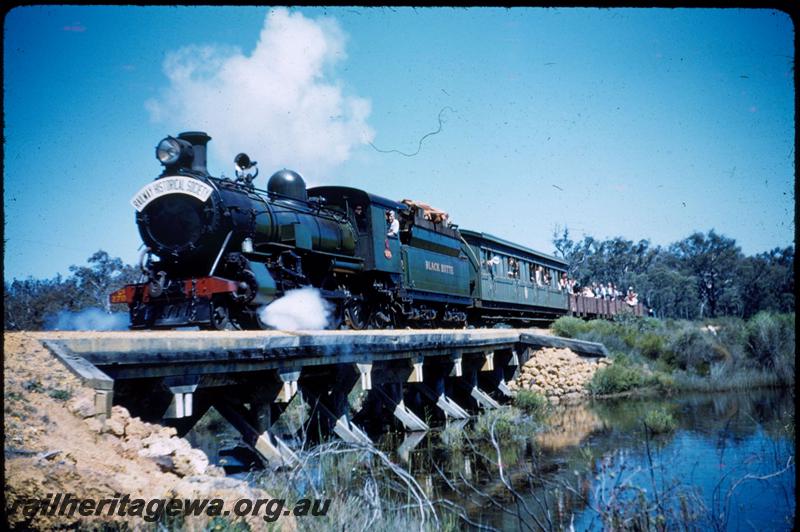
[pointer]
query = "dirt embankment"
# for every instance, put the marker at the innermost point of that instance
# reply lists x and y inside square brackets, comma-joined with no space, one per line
[558,373]
[54,444]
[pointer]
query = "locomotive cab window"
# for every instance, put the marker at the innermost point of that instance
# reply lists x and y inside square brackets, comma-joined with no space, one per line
[359,217]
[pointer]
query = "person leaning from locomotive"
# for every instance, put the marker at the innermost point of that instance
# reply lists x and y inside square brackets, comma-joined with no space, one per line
[393,225]
[361,218]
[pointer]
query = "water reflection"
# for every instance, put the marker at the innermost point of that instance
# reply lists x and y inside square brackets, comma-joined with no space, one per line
[728,465]
[569,425]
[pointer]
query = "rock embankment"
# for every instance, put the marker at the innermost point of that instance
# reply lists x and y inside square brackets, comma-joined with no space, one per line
[558,374]
[54,444]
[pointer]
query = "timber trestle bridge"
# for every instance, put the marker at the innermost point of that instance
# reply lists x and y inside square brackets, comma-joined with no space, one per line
[250,377]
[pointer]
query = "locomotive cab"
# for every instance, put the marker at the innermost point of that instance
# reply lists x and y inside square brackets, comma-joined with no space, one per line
[371,225]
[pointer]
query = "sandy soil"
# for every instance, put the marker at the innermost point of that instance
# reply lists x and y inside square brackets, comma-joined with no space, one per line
[54,444]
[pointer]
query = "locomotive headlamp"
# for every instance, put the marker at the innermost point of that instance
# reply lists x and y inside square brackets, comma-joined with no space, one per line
[169,151]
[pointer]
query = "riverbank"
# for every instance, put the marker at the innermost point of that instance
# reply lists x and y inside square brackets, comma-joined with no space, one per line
[678,356]
[54,444]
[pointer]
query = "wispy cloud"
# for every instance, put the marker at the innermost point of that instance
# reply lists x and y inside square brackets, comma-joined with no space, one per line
[278,103]
[75,27]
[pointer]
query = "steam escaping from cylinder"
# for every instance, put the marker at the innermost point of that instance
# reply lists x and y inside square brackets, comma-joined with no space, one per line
[90,319]
[299,310]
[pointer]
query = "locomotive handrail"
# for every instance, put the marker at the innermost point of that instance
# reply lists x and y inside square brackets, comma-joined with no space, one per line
[266,196]
[475,260]
[314,251]
[219,255]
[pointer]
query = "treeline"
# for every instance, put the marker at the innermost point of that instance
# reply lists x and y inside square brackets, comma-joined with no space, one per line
[36,304]
[704,275]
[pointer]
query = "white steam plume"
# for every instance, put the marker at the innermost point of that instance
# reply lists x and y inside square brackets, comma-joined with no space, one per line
[303,309]
[276,103]
[91,319]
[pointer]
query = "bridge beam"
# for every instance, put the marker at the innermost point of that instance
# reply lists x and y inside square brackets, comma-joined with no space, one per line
[483,399]
[327,396]
[449,407]
[267,445]
[289,380]
[365,371]
[182,402]
[507,367]
[410,442]
[391,394]
[266,400]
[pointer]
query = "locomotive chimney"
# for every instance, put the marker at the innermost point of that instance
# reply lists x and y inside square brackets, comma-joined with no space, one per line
[198,140]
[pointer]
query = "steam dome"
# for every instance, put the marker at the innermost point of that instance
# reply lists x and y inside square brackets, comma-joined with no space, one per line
[289,184]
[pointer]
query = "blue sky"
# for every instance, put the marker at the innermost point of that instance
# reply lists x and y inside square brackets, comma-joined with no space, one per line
[641,123]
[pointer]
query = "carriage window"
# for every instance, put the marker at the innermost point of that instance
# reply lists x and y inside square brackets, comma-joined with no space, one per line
[537,275]
[491,263]
[513,268]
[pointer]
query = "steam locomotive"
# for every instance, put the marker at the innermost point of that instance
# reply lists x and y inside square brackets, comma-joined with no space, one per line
[217,250]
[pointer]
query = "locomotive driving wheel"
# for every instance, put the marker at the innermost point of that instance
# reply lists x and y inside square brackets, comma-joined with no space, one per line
[221,318]
[356,315]
[381,317]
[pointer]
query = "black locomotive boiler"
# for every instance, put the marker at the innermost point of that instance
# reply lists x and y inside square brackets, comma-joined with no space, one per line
[217,250]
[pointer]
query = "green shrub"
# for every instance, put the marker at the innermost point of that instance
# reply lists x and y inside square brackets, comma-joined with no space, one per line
[730,331]
[771,342]
[690,348]
[606,334]
[651,325]
[532,403]
[621,376]
[664,381]
[33,385]
[453,437]
[659,421]
[569,327]
[60,395]
[650,345]
[506,420]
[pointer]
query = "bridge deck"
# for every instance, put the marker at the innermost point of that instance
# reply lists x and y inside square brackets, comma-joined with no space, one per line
[162,353]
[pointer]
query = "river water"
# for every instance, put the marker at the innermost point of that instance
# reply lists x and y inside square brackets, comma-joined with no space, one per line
[728,465]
